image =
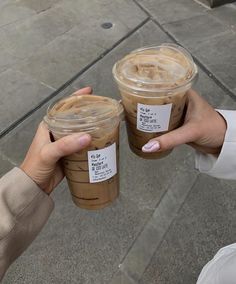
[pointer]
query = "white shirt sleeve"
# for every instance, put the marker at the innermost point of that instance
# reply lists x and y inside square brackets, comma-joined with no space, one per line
[223,166]
[221,269]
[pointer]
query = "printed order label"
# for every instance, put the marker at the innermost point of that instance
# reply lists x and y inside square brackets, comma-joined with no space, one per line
[153,118]
[102,164]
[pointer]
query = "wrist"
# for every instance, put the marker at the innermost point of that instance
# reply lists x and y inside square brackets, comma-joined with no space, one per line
[222,128]
[24,168]
[33,176]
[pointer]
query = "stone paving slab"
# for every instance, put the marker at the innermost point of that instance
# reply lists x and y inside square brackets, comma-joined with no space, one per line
[67,54]
[45,27]
[205,3]
[209,35]
[121,278]
[15,144]
[214,46]
[7,61]
[5,165]
[71,52]
[226,13]
[99,76]
[166,11]
[219,57]
[204,225]
[179,185]
[16,96]
[192,33]
[10,13]
[100,11]
[152,179]
[37,6]
[55,43]
[149,34]
[208,89]
[26,38]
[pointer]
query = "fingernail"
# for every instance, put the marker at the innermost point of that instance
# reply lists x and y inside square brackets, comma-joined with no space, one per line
[84,140]
[151,146]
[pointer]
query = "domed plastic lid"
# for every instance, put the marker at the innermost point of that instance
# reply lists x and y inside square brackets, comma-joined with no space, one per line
[156,68]
[81,113]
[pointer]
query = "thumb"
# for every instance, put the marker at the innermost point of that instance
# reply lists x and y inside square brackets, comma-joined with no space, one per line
[65,146]
[182,135]
[84,91]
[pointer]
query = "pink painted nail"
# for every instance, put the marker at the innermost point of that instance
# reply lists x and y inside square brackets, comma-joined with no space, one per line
[83,140]
[151,146]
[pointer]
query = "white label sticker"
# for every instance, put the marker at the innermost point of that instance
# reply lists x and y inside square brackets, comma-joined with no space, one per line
[153,118]
[102,164]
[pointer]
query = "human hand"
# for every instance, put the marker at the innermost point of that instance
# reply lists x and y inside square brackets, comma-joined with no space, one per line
[42,163]
[203,129]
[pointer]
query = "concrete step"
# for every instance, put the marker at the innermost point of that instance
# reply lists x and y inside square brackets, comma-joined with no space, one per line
[215,3]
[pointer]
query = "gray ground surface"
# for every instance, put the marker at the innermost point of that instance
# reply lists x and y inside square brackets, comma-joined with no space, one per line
[169,219]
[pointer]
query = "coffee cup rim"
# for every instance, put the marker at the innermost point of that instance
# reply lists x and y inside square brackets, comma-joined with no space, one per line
[159,89]
[79,124]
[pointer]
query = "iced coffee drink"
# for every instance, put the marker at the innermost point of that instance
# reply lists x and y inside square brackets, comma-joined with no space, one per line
[93,173]
[153,82]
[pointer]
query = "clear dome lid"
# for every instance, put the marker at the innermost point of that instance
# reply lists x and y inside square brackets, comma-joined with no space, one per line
[156,68]
[83,113]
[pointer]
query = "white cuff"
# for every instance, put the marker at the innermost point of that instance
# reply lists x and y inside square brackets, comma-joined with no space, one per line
[223,166]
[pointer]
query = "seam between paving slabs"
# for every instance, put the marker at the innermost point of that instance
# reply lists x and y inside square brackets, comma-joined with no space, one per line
[4,157]
[153,210]
[163,237]
[142,228]
[199,63]
[70,81]
[202,4]
[171,223]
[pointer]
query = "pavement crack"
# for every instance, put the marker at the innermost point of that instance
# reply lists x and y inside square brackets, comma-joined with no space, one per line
[203,4]
[154,232]
[199,63]
[70,81]
[142,8]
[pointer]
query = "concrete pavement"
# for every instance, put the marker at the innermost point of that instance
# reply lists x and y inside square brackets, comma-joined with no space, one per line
[169,220]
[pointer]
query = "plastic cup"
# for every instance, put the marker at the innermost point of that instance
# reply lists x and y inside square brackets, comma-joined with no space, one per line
[93,173]
[153,82]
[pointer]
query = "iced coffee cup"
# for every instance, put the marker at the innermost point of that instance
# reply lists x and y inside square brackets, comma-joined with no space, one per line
[93,173]
[153,82]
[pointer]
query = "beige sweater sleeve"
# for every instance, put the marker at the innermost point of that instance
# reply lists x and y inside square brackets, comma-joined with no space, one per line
[24,209]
